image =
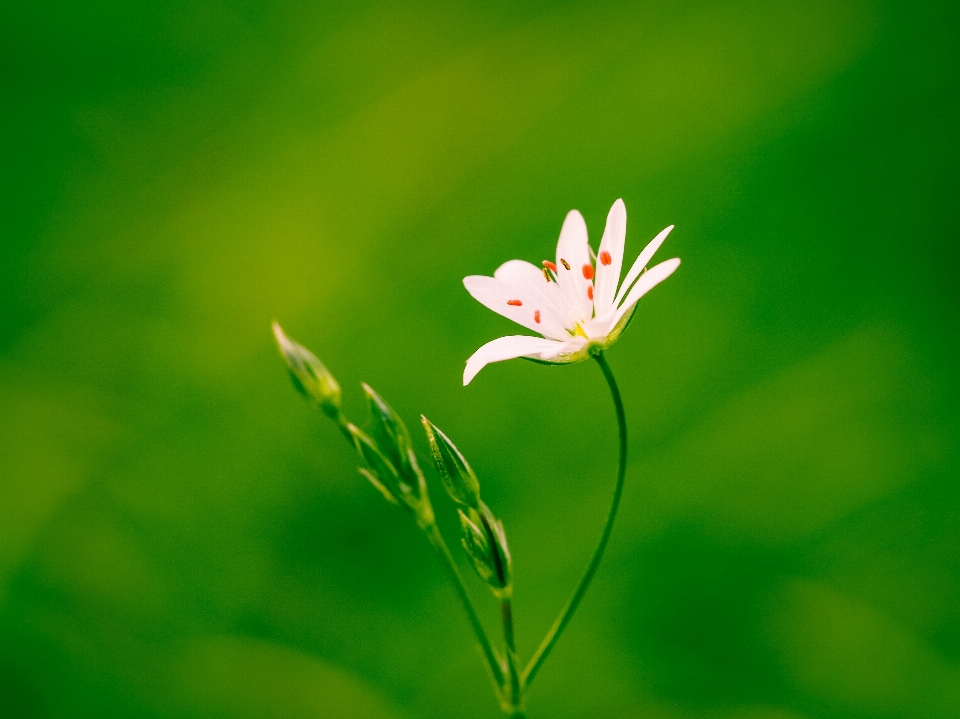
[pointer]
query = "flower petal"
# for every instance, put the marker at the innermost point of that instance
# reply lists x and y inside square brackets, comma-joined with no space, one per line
[563,349]
[641,262]
[610,258]
[504,348]
[521,303]
[648,280]
[519,272]
[573,255]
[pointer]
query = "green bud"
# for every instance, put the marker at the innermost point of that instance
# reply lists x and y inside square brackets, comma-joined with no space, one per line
[387,494]
[392,438]
[378,466]
[485,542]
[309,375]
[457,476]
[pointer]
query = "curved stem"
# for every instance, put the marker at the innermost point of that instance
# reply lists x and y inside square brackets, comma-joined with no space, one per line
[453,574]
[571,606]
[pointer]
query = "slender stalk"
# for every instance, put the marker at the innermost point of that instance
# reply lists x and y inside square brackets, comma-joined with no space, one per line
[516,683]
[571,606]
[453,574]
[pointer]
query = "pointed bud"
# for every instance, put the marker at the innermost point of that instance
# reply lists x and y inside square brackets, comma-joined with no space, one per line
[309,375]
[379,470]
[485,542]
[392,438]
[458,478]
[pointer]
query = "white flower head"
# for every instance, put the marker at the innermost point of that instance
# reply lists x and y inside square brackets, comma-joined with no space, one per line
[574,303]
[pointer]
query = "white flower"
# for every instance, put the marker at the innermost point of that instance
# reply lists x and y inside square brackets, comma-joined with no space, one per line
[573,303]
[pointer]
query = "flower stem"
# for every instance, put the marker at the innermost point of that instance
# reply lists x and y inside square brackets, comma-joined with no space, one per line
[571,606]
[453,574]
[513,665]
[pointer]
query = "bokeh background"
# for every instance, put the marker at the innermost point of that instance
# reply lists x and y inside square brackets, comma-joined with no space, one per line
[180,536]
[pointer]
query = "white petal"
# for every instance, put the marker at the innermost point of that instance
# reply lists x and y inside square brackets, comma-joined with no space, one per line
[641,262]
[520,272]
[495,294]
[505,348]
[611,250]
[650,279]
[571,346]
[573,250]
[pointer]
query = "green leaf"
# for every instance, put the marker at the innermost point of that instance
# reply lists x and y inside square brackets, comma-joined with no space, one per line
[308,374]
[457,476]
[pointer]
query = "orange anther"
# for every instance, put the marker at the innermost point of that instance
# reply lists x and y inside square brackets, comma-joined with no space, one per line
[588,272]
[514,303]
[548,264]
[605,258]
[536,316]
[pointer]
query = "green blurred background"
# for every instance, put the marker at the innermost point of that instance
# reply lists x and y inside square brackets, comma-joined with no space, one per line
[180,536]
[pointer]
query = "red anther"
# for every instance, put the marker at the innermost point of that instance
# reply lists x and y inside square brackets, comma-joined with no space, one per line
[590,291]
[605,258]
[588,272]
[548,264]
[514,303]
[536,316]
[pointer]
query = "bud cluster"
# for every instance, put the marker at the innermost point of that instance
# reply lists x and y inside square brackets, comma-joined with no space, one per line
[482,534]
[389,461]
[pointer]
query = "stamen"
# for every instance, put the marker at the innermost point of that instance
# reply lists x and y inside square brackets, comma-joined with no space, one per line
[588,272]
[536,316]
[515,303]
[564,263]
[590,291]
[549,264]
[546,274]
[605,258]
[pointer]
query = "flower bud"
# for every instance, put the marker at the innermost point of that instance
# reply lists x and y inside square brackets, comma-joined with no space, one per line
[379,470]
[457,476]
[393,439]
[485,542]
[309,375]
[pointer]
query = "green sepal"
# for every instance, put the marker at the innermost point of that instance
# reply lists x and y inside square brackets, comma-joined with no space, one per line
[308,374]
[378,465]
[621,326]
[392,437]
[475,543]
[485,542]
[458,478]
[387,494]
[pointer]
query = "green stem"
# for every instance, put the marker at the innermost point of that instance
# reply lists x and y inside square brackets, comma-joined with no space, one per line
[453,574]
[516,684]
[571,606]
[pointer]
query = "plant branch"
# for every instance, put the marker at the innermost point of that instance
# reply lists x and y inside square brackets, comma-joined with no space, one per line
[453,574]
